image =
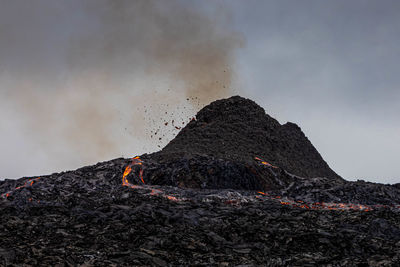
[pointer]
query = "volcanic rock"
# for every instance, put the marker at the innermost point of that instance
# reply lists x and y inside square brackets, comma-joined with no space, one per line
[238,129]
[196,202]
[219,149]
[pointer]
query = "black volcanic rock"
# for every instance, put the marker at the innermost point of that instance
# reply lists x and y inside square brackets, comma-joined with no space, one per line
[92,217]
[208,172]
[238,129]
[87,218]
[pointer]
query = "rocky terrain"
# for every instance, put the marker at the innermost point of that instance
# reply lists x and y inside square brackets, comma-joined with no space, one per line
[238,129]
[234,188]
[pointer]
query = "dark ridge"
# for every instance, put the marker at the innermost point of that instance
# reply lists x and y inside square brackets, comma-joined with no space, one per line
[204,201]
[238,129]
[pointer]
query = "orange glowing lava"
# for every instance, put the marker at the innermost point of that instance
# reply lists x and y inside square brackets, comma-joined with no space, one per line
[28,183]
[172,198]
[137,161]
[322,205]
[263,162]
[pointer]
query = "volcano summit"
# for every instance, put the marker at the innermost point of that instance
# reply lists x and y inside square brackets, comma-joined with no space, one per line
[238,129]
[224,146]
[233,188]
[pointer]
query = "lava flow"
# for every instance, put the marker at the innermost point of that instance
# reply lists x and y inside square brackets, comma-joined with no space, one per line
[137,161]
[28,183]
[317,205]
[263,162]
[322,205]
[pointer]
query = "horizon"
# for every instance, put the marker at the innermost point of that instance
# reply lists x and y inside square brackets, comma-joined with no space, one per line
[82,83]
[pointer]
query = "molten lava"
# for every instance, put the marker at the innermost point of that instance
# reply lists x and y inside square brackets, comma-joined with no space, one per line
[263,162]
[27,184]
[137,161]
[324,206]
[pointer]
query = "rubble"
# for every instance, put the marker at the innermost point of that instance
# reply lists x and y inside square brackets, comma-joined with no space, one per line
[202,205]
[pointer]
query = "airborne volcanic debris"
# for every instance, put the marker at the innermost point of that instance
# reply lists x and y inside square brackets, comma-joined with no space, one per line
[238,129]
[233,188]
[218,150]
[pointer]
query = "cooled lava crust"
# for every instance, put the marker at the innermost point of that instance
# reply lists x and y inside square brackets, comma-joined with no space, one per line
[237,129]
[234,188]
[219,148]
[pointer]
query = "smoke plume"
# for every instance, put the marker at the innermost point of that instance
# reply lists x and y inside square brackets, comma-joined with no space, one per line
[89,80]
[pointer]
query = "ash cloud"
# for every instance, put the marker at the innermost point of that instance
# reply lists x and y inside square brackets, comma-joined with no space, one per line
[171,39]
[77,76]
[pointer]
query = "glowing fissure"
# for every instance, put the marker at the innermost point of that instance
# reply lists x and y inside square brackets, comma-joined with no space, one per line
[323,205]
[316,205]
[320,205]
[263,162]
[27,184]
[136,161]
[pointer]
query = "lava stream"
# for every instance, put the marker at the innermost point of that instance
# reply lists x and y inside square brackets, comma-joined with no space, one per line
[27,184]
[137,161]
[263,162]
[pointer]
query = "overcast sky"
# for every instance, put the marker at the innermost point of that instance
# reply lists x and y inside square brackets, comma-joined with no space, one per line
[86,81]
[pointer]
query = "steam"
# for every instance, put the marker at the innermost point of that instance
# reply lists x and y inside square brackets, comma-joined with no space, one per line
[90,75]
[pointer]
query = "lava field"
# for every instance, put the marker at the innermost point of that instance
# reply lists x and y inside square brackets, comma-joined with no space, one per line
[234,188]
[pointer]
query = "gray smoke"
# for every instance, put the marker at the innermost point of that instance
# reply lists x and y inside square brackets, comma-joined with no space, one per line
[82,78]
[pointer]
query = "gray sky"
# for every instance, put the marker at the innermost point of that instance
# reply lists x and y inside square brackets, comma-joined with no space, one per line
[85,81]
